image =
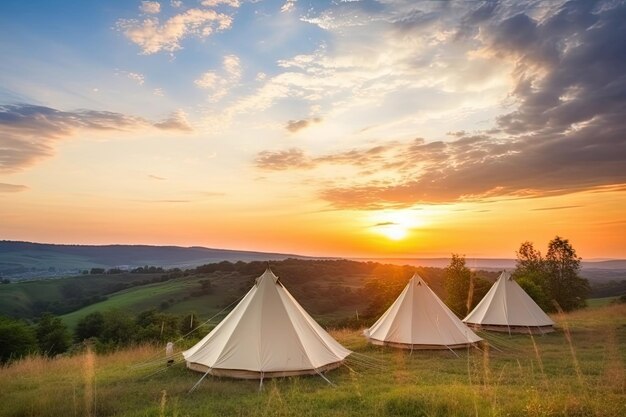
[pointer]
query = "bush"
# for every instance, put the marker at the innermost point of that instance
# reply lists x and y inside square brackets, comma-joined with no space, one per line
[52,335]
[17,339]
[92,325]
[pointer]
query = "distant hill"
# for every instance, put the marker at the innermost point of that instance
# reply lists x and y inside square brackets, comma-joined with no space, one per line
[24,260]
[491,263]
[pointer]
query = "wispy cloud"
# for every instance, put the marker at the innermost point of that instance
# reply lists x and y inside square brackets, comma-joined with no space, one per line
[213,3]
[177,121]
[152,36]
[150,7]
[296,125]
[282,160]
[555,208]
[12,188]
[382,224]
[288,6]
[28,132]
[135,76]
[156,177]
[220,85]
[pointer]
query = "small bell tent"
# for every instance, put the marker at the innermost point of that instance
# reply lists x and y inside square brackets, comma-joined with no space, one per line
[268,334]
[418,319]
[507,308]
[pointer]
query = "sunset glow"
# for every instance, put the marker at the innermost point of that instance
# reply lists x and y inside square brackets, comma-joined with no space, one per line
[334,128]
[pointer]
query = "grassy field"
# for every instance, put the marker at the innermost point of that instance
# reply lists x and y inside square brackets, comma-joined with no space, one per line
[227,287]
[20,299]
[600,302]
[576,371]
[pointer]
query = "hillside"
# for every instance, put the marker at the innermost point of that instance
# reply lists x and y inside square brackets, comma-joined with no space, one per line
[329,289]
[19,260]
[25,260]
[576,371]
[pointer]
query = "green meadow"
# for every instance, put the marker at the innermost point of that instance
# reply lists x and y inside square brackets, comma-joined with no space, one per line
[576,371]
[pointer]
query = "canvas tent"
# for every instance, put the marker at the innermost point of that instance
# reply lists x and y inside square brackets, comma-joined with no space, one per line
[418,319]
[507,308]
[268,334]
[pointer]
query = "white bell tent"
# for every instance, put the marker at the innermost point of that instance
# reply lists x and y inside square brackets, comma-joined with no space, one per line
[418,319]
[268,334]
[507,308]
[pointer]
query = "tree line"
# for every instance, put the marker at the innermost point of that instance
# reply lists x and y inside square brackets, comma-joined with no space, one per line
[104,331]
[552,281]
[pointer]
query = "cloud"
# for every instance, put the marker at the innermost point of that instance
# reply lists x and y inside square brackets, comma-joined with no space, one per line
[213,3]
[150,7]
[152,36]
[135,76]
[156,177]
[29,132]
[382,224]
[564,129]
[177,121]
[288,6]
[208,80]
[176,4]
[281,160]
[296,125]
[232,66]
[220,85]
[12,188]
[555,208]
[374,59]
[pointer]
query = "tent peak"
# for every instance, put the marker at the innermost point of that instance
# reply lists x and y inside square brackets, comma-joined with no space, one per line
[417,279]
[268,274]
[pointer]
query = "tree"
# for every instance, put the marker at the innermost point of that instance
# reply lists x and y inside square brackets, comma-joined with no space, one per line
[92,325]
[119,328]
[553,278]
[155,326]
[567,288]
[52,335]
[536,292]
[457,284]
[532,275]
[17,339]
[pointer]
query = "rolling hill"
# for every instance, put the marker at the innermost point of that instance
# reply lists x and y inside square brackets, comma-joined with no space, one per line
[26,260]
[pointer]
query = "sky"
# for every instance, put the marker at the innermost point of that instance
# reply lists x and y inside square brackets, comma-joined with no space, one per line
[350,128]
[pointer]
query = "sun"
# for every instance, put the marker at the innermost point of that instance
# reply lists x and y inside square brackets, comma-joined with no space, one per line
[395,224]
[394,232]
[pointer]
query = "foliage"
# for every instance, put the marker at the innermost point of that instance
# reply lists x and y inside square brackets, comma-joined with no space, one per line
[188,325]
[17,339]
[119,328]
[156,326]
[92,325]
[535,292]
[464,288]
[457,284]
[52,335]
[553,280]
[115,328]
[567,288]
